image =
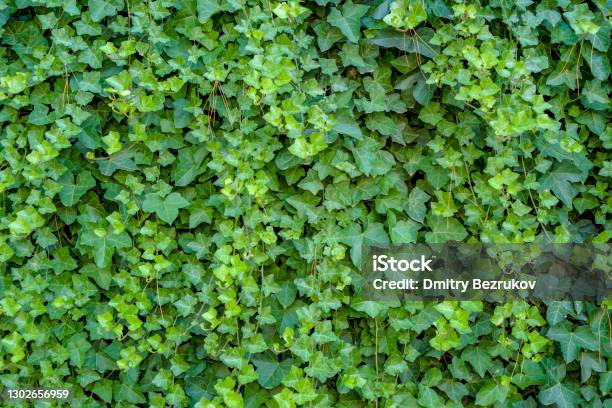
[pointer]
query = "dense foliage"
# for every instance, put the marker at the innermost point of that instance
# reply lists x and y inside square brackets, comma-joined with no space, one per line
[187,186]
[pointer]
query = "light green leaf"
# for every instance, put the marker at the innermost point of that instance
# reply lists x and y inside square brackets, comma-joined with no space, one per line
[27,221]
[429,398]
[404,232]
[206,9]
[444,229]
[99,9]
[492,393]
[431,113]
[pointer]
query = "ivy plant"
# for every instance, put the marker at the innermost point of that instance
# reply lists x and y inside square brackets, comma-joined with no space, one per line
[187,186]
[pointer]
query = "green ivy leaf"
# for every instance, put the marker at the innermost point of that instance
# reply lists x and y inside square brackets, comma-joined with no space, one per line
[531,373]
[429,398]
[99,9]
[444,229]
[417,42]
[479,359]
[72,190]
[269,371]
[166,208]
[416,207]
[125,393]
[349,20]
[571,341]
[370,159]
[562,395]
[404,232]
[102,244]
[189,165]
[559,181]
[206,9]
[27,220]
[492,393]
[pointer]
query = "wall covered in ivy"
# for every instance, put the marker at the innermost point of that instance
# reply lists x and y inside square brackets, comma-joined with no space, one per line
[186,188]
